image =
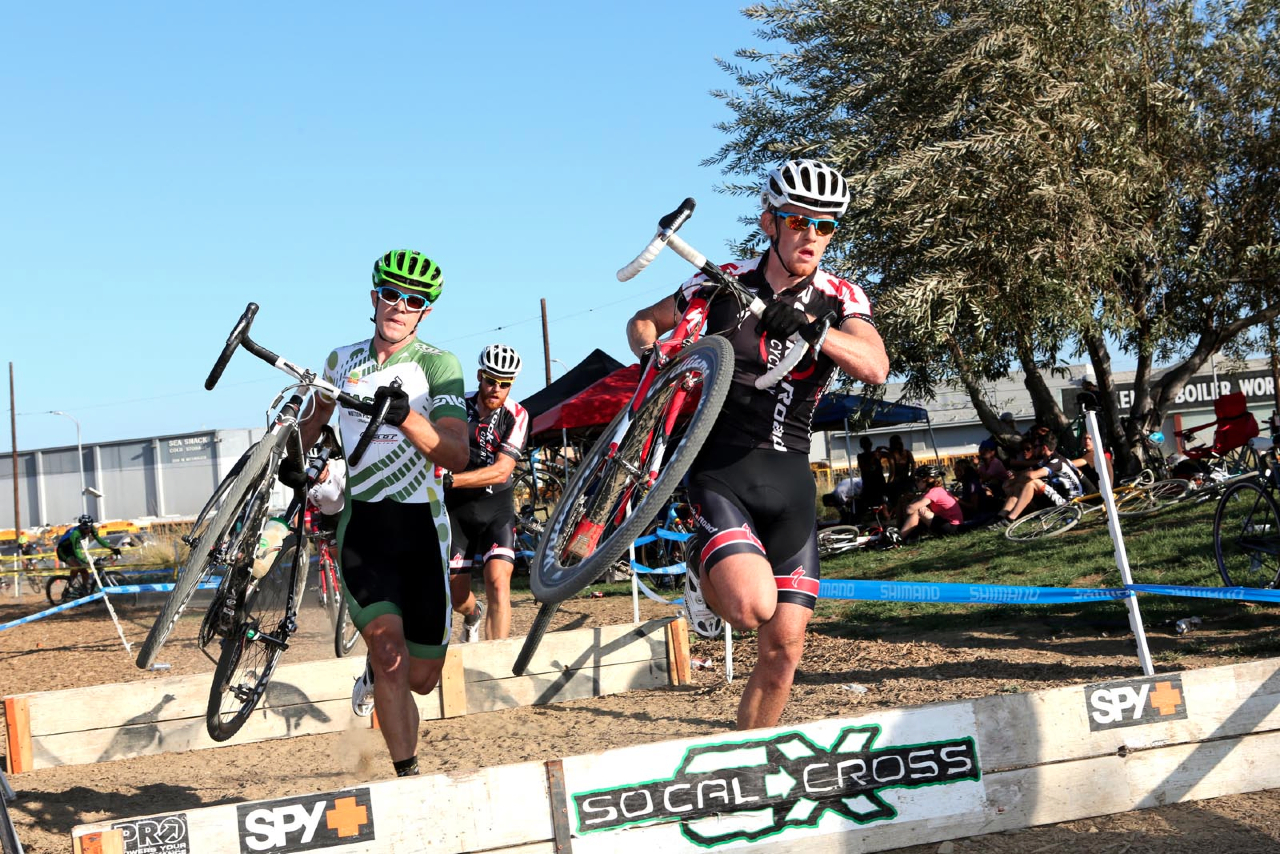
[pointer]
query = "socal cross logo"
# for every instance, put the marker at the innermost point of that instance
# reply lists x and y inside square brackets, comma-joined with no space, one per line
[769,785]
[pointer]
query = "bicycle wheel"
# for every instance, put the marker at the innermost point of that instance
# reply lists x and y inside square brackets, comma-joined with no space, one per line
[1241,461]
[227,542]
[538,491]
[252,649]
[345,633]
[1246,536]
[612,480]
[837,540]
[1045,523]
[541,623]
[55,589]
[1148,500]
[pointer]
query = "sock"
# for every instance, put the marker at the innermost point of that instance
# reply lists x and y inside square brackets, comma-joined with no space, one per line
[406,767]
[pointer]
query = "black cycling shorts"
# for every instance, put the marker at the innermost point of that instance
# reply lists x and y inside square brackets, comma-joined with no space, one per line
[758,501]
[483,529]
[392,563]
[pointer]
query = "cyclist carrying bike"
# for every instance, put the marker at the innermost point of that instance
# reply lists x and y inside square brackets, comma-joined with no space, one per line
[71,550]
[481,510]
[393,535]
[754,555]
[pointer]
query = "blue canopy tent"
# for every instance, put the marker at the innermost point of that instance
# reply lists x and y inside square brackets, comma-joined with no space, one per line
[837,410]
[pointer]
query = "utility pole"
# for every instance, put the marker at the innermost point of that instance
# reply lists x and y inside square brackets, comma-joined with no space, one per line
[546,340]
[13,432]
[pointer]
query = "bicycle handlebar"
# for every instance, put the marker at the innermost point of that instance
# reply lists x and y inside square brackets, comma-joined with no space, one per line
[239,337]
[238,332]
[666,236]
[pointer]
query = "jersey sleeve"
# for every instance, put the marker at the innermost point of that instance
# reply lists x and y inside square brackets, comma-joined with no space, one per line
[330,375]
[853,302]
[445,376]
[100,540]
[513,443]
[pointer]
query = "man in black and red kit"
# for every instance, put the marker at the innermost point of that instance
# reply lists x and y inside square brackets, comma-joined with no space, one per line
[482,514]
[755,555]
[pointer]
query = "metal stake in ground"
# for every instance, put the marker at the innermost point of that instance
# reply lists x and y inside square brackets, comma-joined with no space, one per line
[1090,405]
[112,611]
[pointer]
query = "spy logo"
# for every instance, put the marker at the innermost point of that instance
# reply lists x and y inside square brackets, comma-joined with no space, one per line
[766,786]
[1135,702]
[306,822]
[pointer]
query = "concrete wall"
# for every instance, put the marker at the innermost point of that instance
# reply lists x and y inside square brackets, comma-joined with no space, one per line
[163,477]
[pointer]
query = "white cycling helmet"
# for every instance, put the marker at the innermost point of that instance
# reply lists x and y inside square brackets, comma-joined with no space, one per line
[809,184]
[500,360]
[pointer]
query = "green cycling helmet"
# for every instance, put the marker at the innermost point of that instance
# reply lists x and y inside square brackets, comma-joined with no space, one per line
[410,271]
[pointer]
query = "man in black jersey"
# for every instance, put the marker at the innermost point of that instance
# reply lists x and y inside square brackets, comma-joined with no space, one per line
[481,512]
[754,556]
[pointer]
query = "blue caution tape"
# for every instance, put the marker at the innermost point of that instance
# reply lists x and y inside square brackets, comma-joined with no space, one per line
[674,569]
[93,597]
[971,594]
[1251,594]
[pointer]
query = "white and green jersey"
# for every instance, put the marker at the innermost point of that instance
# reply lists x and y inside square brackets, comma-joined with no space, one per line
[392,468]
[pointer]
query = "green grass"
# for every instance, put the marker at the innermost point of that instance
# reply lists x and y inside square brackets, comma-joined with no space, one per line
[1173,547]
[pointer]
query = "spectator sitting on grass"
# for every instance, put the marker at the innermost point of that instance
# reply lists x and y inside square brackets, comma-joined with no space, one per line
[977,500]
[937,511]
[1085,463]
[1053,480]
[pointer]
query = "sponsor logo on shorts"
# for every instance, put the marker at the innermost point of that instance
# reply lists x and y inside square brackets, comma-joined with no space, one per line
[305,822]
[763,786]
[1135,702]
[162,834]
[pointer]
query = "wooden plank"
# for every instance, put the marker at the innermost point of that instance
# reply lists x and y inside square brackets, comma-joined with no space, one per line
[571,685]
[17,717]
[182,734]
[509,808]
[678,652]
[453,686]
[184,696]
[560,651]
[167,714]
[100,842]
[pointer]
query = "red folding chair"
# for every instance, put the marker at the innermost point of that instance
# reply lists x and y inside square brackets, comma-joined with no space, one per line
[1233,427]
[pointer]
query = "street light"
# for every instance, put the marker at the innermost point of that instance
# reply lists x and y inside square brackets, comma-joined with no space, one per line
[84,500]
[561,364]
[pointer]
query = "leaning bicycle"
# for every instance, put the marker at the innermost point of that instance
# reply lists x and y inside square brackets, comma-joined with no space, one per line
[1246,525]
[624,481]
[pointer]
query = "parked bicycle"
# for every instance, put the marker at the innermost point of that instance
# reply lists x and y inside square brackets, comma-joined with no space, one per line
[254,609]
[1140,496]
[1246,524]
[329,585]
[625,479]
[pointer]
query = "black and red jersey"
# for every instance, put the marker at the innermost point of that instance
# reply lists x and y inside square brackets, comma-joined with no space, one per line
[776,418]
[503,431]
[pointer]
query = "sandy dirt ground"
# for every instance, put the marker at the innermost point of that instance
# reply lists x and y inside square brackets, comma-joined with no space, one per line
[839,677]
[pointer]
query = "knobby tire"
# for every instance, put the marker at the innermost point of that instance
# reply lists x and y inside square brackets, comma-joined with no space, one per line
[247,483]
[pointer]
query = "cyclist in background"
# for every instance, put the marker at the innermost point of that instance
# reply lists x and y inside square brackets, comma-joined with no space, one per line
[754,556]
[71,550]
[393,535]
[481,509]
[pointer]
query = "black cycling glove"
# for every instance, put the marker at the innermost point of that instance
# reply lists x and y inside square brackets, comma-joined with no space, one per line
[398,410]
[781,320]
[115,553]
[810,331]
[291,474]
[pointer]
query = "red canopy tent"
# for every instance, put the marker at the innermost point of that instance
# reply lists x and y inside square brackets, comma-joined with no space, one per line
[594,406]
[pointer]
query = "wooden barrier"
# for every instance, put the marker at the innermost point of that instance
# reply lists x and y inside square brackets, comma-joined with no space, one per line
[105,722]
[892,778]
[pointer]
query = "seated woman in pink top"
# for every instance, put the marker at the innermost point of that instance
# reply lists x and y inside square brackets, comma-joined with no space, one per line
[937,511]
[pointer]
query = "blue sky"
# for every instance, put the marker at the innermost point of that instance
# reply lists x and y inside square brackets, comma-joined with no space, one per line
[165,164]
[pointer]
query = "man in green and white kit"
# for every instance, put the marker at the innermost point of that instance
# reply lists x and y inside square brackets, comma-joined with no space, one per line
[393,534]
